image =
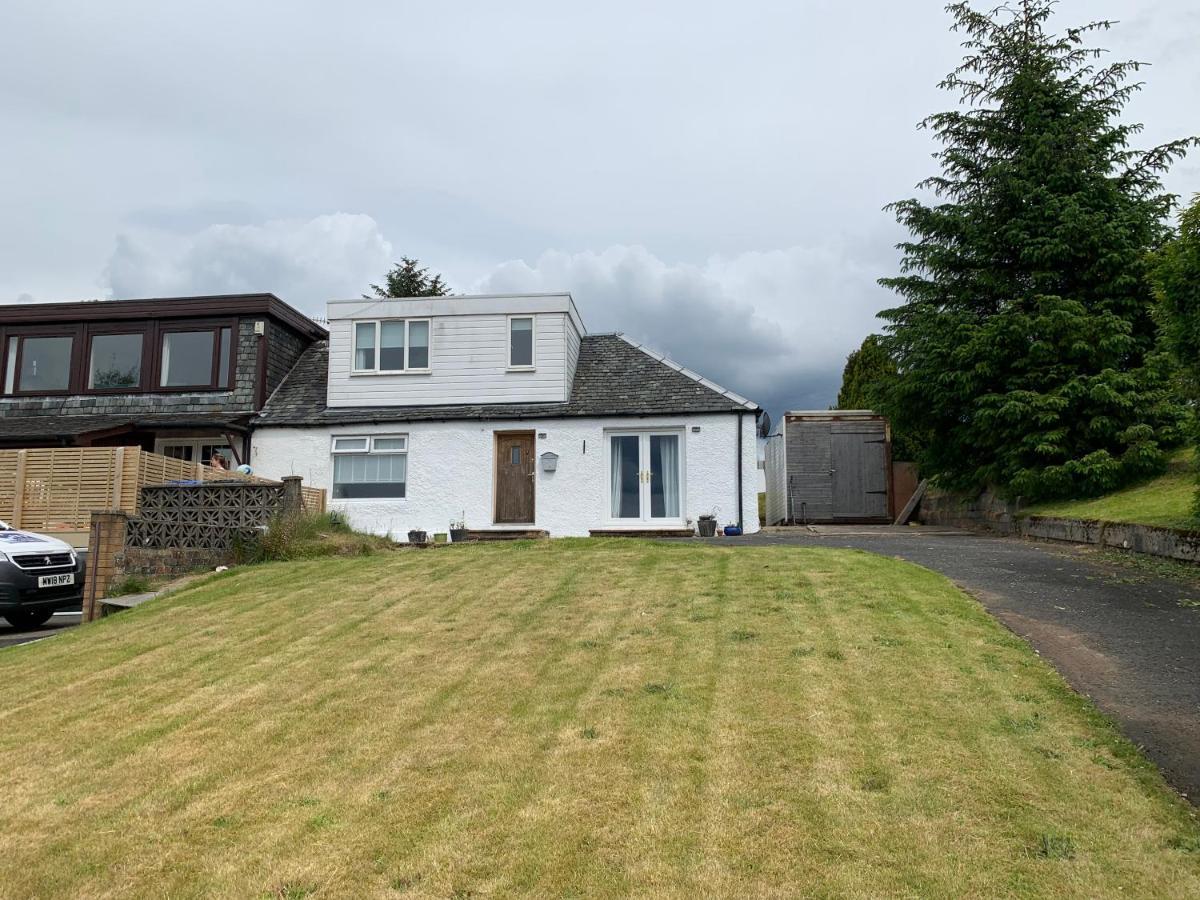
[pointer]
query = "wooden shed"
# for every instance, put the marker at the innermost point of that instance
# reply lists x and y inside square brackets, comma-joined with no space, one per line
[829,466]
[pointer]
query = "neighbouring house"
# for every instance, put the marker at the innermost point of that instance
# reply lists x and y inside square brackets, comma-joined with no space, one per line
[503,411]
[179,376]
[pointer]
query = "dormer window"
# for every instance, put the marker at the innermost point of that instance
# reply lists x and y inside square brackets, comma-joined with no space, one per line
[520,342]
[391,346]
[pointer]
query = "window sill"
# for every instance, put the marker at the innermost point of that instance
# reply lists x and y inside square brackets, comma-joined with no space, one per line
[368,372]
[521,369]
[640,525]
[367,499]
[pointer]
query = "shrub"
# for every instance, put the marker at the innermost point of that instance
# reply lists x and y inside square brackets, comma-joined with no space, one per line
[308,536]
[130,584]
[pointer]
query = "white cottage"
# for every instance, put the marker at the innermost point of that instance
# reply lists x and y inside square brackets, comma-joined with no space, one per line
[502,411]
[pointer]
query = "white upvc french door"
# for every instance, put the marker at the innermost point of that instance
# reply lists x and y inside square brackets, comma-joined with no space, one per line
[645,477]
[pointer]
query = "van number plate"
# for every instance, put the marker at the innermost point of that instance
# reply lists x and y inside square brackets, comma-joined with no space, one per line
[56,580]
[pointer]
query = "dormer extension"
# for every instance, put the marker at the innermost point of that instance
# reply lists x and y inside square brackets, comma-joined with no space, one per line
[429,351]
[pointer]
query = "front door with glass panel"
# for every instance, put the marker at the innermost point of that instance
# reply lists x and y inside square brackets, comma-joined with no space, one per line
[516,478]
[645,482]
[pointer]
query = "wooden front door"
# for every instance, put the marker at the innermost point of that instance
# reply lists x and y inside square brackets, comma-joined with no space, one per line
[515,477]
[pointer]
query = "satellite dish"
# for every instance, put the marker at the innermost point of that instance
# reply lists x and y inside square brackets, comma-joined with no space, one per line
[764,425]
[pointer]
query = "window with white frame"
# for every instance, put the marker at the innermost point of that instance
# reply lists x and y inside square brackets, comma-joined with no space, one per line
[520,342]
[391,345]
[370,466]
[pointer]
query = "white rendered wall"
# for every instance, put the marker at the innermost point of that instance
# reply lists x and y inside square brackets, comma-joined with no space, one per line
[451,464]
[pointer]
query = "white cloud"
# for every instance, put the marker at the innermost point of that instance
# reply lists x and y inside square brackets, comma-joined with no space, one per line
[304,262]
[775,326]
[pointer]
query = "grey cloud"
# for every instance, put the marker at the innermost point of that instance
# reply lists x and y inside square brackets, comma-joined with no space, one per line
[305,262]
[775,326]
[741,144]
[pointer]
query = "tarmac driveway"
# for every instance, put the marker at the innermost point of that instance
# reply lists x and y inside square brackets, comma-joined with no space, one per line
[1128,639]
[60,621]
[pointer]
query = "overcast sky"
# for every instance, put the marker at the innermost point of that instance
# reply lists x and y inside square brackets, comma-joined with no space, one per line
[706,177]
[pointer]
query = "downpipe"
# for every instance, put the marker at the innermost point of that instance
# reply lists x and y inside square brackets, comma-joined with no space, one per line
[739,472]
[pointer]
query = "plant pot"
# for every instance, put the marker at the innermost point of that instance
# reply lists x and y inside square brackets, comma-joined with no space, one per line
[732,531]
[707,526]
[417,537]
[458,535]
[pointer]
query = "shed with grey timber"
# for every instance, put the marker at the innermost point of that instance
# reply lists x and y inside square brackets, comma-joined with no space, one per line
[829,466]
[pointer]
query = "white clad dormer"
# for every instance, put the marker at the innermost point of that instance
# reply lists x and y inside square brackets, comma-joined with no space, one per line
[453,350]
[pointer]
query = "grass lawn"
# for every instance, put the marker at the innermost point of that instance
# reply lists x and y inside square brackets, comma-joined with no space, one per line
[1166,500]
[570,718]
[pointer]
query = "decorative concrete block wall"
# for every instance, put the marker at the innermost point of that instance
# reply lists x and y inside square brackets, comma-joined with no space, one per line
[180,528]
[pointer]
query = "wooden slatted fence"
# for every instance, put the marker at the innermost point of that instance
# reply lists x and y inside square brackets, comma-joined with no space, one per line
[56,489]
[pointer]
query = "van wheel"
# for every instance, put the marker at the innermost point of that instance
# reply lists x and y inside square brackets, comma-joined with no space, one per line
[24,620]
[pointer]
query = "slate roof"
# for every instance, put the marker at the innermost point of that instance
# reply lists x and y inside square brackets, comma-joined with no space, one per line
[70,426]
[614,377]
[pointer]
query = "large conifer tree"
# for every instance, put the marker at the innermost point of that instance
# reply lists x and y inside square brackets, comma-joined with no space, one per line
[1177,281]
[869,374]
[1025,341]
[408,278]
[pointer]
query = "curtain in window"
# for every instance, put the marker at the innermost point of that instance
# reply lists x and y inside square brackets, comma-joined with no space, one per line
[418,345]
[223,372]
[615,467]
[187,359]
[364,345]
[364,475]
[626,495]
[10,373]
[664,476]
[45,364]
[520,348]
[391,346]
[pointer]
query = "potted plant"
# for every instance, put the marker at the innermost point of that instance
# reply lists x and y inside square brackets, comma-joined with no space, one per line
[458,529]
[731,530]
[707,524]
[416,536]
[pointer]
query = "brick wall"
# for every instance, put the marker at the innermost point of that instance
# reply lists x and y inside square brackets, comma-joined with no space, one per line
[106,544]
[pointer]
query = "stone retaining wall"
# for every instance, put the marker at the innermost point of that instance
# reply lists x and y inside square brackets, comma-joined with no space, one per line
[172,561]
[1172,543]
[988,512]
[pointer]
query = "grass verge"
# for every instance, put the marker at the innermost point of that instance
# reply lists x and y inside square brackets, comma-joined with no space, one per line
[309,537]
[1165,501]
[570,718]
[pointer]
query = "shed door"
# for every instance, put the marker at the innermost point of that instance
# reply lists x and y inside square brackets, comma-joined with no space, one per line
[515,476]
[859,463]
